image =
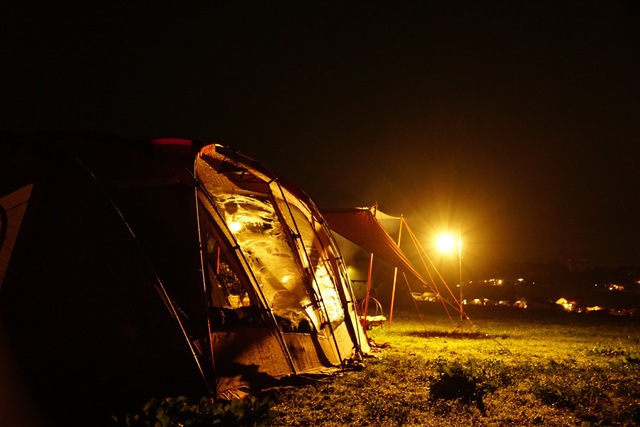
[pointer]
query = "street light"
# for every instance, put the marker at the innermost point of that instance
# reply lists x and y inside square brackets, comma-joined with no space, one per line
[447,243]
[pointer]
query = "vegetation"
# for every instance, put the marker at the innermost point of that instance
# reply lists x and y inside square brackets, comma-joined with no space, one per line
[512,367]
[205,412]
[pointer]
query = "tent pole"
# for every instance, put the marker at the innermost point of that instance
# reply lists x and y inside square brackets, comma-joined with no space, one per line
[345,291]
[395,276]
[366,298]
[460,271]
[393,295]
[205,288]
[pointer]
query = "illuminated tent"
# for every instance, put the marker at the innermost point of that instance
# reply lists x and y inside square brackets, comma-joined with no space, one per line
[288,272]
[133,269]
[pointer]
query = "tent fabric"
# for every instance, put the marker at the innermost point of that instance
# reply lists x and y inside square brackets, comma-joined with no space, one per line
[79,300]
[111,253]
[286,266]
[361,226]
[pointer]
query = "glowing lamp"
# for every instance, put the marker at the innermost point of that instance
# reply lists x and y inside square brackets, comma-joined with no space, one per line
[235,226]
[446,243]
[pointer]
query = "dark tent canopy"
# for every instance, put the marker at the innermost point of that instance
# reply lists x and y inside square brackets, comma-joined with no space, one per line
[96,230]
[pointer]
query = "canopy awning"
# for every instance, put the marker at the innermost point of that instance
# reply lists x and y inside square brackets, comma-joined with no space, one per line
[361,226]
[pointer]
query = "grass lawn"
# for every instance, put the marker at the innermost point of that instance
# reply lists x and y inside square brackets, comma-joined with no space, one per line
[511,368]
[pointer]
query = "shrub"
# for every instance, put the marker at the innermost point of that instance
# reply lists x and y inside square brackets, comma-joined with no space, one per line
[626,355]
[455,382]
[187,412]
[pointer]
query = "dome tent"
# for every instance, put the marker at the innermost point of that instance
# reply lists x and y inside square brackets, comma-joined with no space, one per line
[123,275]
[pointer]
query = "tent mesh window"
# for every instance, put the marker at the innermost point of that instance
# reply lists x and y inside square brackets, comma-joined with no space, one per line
[320,268]
[231,304]
[259,234]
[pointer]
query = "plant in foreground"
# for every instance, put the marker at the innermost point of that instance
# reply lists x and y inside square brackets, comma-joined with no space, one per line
[626,355]
[187,412]
[455,382]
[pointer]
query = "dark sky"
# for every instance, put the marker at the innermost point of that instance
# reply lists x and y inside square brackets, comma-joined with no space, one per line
[517,120]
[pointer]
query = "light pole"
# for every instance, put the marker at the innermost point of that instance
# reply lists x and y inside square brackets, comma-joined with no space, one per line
[460,275]
[446,243]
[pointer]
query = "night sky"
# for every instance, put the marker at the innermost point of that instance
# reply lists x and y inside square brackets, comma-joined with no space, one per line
[517,121]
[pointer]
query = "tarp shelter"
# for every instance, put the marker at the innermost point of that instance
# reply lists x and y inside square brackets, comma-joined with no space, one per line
[361,226]
[135,269]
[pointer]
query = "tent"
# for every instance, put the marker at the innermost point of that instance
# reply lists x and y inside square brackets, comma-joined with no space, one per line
[131,269]
[362,226]
[290,284]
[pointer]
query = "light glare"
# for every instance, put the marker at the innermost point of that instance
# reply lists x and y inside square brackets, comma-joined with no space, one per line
[235,226]
[446,243]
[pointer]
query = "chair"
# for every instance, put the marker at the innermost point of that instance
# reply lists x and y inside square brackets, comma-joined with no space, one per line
[371,320]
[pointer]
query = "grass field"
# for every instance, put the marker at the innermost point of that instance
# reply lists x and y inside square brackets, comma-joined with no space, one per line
[511,368]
